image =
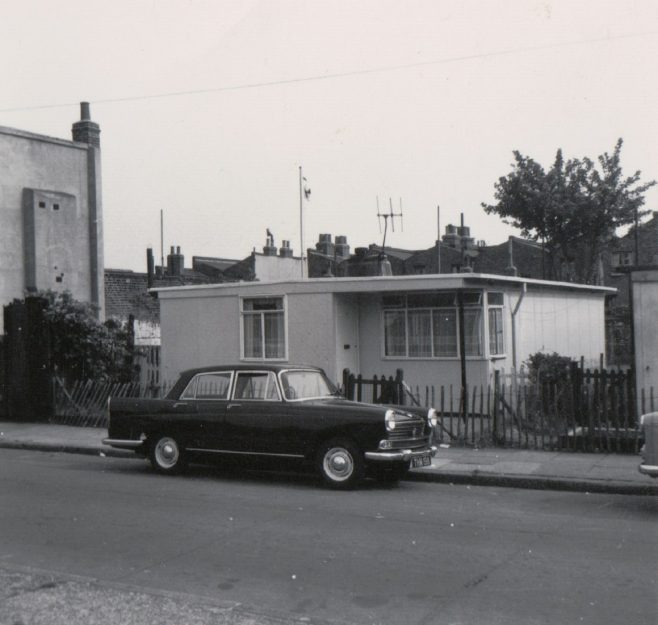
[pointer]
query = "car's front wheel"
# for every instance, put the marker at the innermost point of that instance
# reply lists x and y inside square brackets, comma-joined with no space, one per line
[166,455]
[340,464]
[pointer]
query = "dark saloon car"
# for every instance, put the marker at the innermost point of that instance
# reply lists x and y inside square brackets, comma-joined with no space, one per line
[286,412]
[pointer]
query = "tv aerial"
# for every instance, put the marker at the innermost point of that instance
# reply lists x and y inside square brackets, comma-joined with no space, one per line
[386,216]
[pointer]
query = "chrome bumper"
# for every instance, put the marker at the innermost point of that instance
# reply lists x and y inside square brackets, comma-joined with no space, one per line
[649,469]
[122,444]
[403,455]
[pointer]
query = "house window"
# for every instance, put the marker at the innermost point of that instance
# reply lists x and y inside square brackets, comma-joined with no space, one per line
[425,325]
[263,328]
[622,259]
[496,335]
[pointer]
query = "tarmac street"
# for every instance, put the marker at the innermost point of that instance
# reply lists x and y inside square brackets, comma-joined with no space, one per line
[226,546]
[583,472]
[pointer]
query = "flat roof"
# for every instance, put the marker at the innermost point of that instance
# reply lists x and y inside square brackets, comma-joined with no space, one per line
[32,136]
[372,284]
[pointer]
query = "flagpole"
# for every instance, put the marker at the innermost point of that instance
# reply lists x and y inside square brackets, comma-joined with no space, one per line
[301,218]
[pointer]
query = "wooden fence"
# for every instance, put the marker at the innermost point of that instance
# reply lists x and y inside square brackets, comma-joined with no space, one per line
[84,403]
[588,410]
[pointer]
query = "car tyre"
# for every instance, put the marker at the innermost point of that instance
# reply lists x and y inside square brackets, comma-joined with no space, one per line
[167,455]
[340,464]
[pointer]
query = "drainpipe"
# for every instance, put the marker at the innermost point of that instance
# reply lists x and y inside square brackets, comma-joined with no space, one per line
[516,310]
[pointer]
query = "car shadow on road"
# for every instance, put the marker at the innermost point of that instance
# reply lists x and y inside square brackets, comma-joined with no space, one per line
[251,471]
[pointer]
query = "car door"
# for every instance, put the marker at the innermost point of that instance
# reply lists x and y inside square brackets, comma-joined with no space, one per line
[256,416]
[209,393]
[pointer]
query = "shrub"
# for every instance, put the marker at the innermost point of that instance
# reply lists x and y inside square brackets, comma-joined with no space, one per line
[548,368]
[81,346]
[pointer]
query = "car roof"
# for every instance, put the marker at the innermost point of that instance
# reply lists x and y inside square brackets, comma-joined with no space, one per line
[260,366]
[188,374]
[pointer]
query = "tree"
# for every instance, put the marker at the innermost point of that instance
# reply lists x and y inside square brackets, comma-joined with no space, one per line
[574,208]
[82,347]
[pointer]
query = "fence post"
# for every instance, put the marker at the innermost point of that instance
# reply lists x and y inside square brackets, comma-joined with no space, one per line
[399,391]
[495,405]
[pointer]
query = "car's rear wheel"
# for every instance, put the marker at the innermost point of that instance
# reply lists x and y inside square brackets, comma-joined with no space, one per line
[167,455]
[340,464]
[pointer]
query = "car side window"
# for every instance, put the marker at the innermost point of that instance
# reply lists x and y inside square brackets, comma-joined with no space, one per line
[213,385]
[190,389]
[208,386]
[256,385]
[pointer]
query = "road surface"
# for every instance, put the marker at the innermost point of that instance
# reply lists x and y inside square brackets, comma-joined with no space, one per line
[224,544]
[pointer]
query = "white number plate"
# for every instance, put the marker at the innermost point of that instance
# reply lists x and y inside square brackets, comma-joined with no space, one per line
[421,461]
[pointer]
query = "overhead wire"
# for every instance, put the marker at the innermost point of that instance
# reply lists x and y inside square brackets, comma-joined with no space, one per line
[335,75]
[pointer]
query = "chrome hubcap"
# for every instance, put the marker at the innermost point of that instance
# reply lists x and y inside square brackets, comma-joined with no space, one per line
[338,464]
[166,452]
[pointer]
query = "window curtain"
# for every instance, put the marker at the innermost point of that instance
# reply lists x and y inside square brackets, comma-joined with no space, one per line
[253,336]
[420,333]
[274,335]
[445,333]
[473,331]
[394,333]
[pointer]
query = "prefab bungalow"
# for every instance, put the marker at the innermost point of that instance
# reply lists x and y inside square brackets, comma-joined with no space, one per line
[432,327]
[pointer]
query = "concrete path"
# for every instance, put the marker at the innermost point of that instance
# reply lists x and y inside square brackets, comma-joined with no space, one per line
[564,470]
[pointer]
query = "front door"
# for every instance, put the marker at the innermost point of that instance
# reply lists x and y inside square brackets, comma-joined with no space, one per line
[347,334]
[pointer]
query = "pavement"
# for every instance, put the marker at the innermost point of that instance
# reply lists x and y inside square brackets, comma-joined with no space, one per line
[516,468]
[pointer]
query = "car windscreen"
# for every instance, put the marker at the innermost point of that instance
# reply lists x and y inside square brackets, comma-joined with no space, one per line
[305,384]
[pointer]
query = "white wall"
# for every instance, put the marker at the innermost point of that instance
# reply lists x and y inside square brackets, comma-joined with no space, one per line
[198,332]
[571,324]
[311,331]
[269,268]
[58,172]
[645,313]
[201,326]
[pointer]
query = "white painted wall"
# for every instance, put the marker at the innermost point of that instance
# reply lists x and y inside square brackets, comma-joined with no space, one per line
[198,332]
[201,326]
[59,170]
[268,268]
[571,324]
[645,313]
[311,331]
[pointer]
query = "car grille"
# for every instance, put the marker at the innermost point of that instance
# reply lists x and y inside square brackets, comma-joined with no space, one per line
[409,430]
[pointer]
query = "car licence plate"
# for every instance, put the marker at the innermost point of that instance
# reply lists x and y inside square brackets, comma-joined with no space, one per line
[421,461]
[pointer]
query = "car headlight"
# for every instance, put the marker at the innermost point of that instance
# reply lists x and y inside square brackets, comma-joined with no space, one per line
[389,419]
[432,417]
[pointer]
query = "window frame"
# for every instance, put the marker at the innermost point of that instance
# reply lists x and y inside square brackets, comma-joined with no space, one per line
[242,313]
[195,382]
[490,335]
[404,308]
[270,374]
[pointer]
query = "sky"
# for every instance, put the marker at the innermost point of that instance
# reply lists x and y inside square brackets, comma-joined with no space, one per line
[208,108]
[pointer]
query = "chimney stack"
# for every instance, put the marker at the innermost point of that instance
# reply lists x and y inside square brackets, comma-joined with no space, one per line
[150,268]
[341,247]
[175,262]
[86,131]
[285,251]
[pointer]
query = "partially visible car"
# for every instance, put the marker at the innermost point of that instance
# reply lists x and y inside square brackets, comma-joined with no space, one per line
[277,412]
[649,451]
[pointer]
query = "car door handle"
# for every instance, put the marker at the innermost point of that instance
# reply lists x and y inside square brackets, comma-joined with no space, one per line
[181,404]
[233,406]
